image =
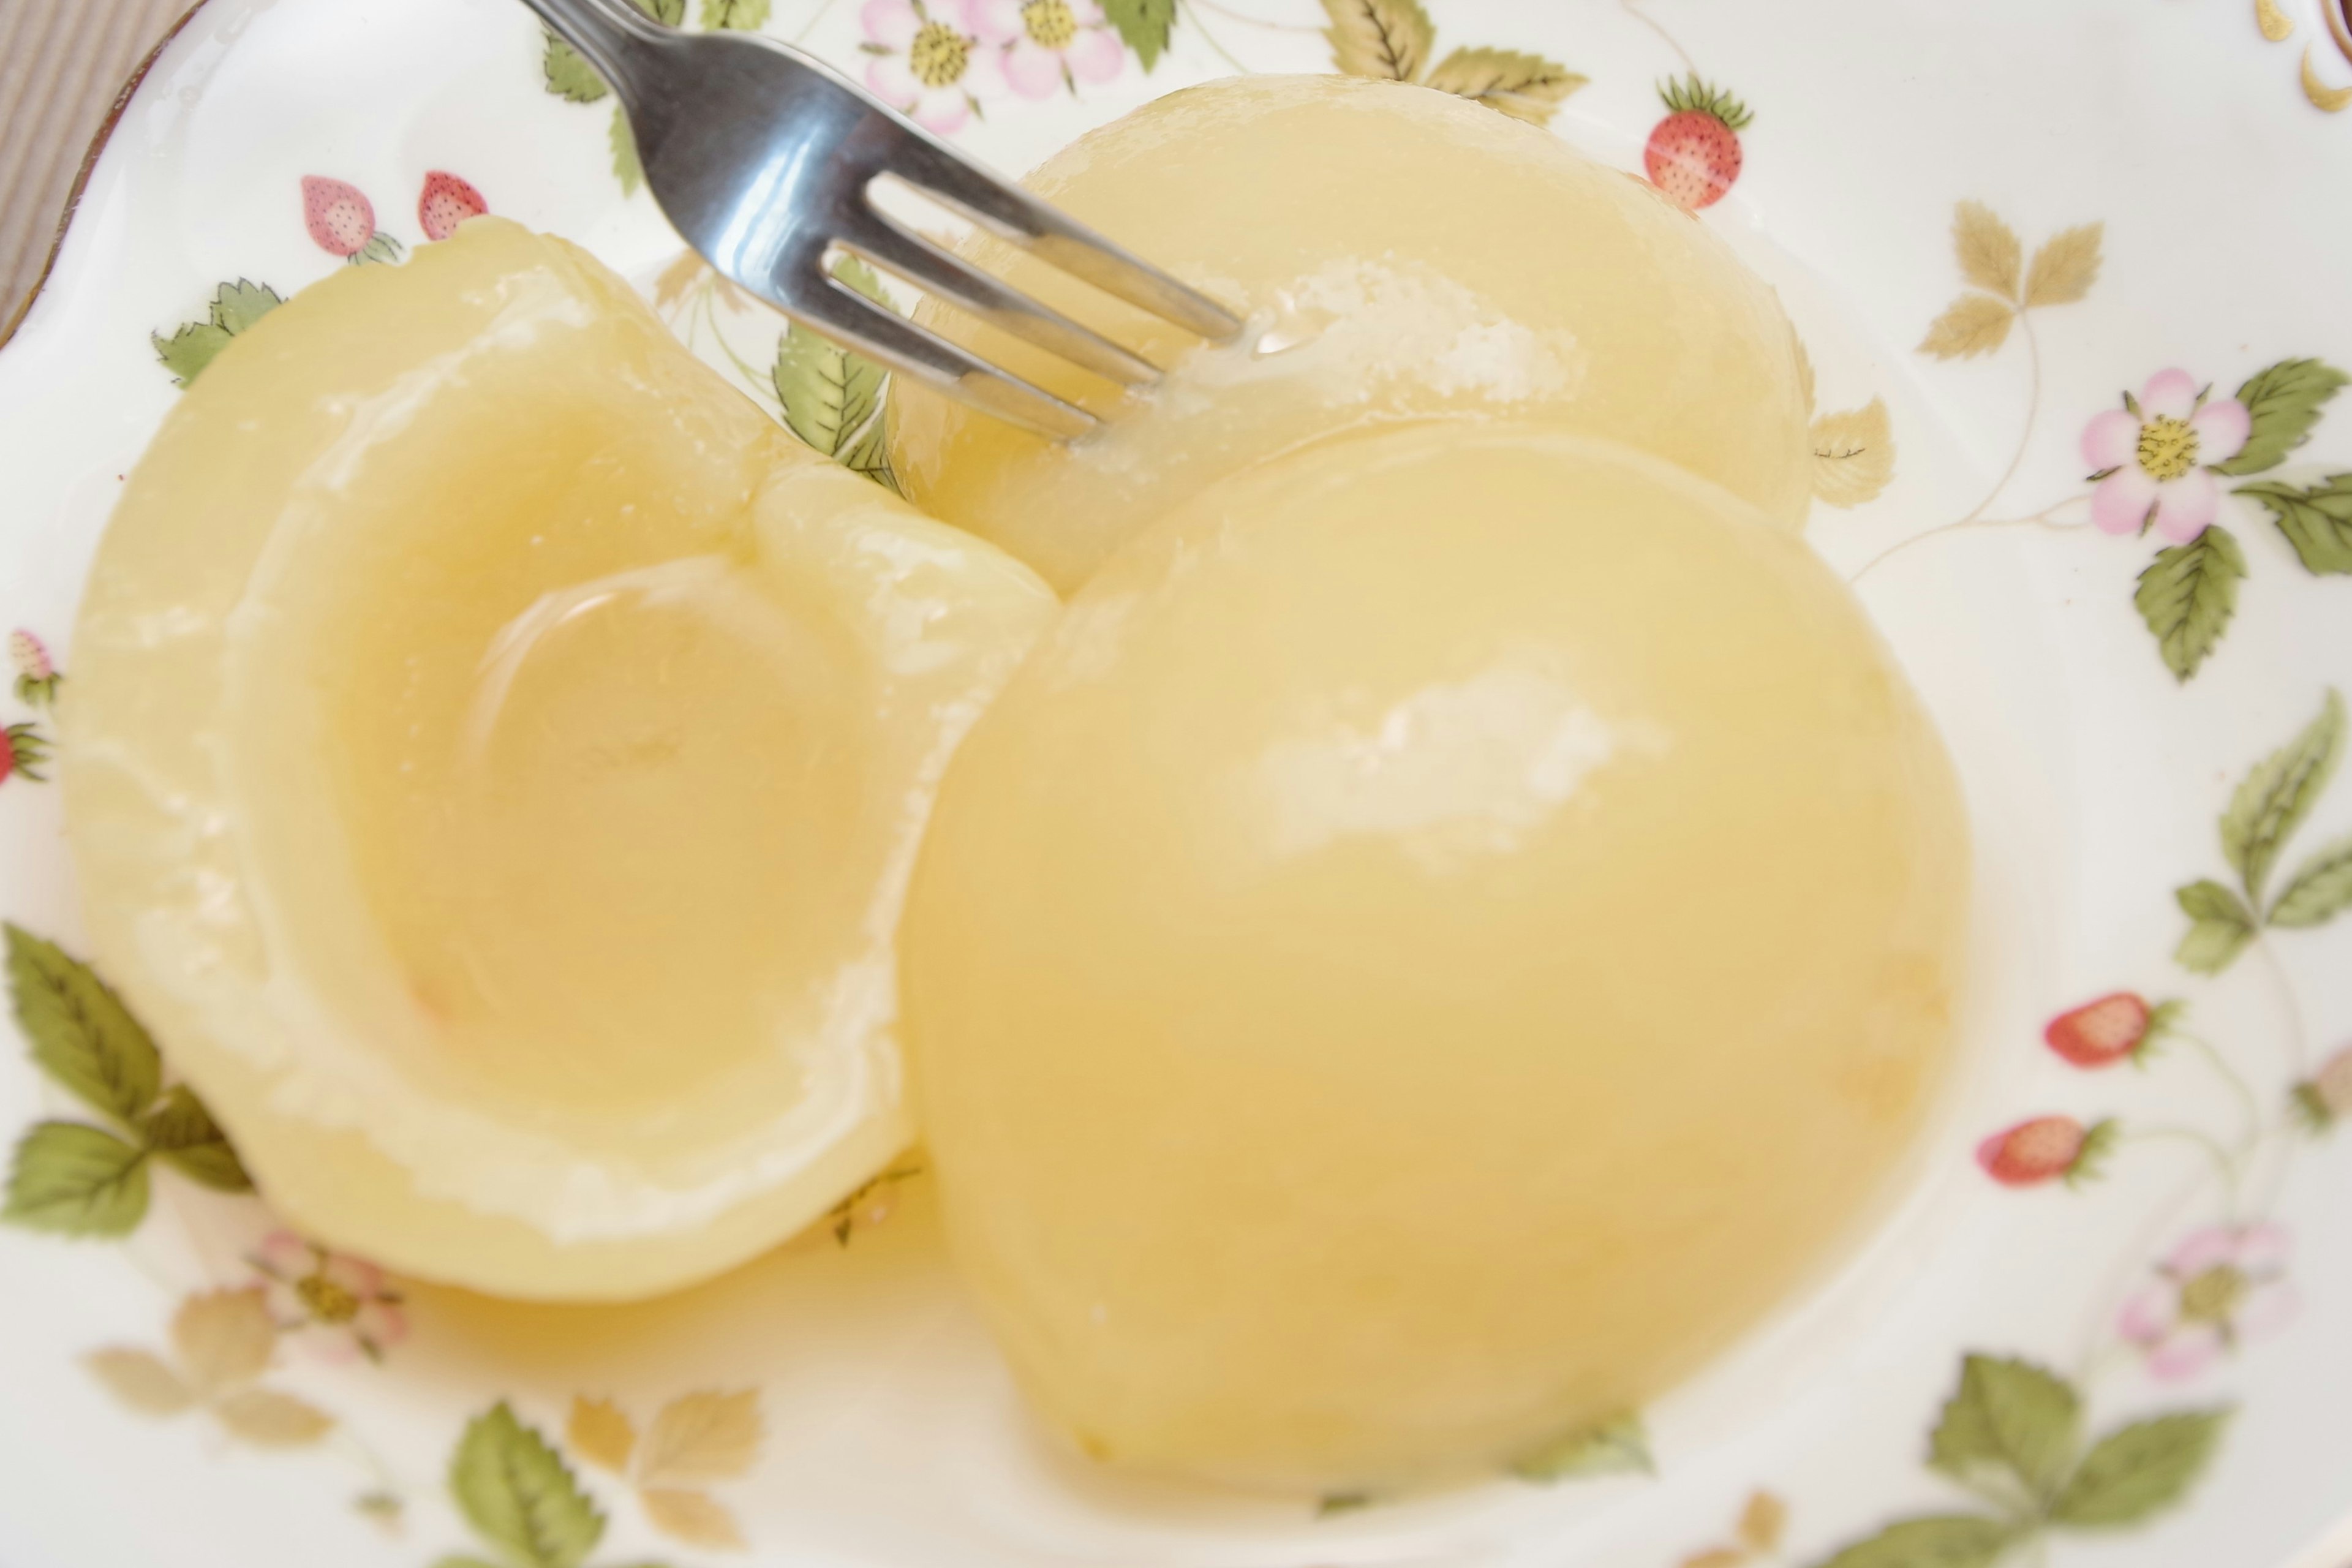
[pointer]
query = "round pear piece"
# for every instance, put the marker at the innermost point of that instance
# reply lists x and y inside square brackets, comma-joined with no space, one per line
[1399,252]
[1449,929]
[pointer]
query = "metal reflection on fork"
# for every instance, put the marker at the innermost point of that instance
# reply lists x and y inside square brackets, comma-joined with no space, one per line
[765,161]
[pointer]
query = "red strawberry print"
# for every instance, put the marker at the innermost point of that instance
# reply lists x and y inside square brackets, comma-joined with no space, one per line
[2048,1148]
[342,221]
[2115,1027]
[22,751]
[1693,153]
[448,202]
[36,673]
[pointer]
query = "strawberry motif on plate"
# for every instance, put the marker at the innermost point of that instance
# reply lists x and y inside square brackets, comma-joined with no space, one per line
[341,221]
[23,750]
[2045,1149]
[36,673]
[1693,153]
[2115,1027]
[447,201]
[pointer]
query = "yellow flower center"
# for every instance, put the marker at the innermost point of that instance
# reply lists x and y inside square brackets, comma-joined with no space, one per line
[326,1300]
[2213,1297]
[2167,446]
[1050,22]
[938,55]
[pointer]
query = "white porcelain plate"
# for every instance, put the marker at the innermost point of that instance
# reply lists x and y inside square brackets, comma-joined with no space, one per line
[2108,1319]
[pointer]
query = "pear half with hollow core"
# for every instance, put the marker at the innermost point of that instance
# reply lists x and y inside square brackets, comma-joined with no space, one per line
[493,759]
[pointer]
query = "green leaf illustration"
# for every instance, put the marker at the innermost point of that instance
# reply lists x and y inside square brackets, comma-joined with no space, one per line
[832,398]
[460,1559]
[2138,1470]
[869,453]
[186,352]
[1939,1540]
[81,1034]
[574,80]
[1524,86]
[2187,594]
[2219,926]
[234,307]
[1618,1445]
[517,1493]
[2278,795]
[2317,520]
[828,394]
[624,143]
[735,16]
[76,1181]
[185,1134]
[1145,24]
[2007,1419]
[569,77]
[1386,40]
[2286,400]
[1333,1503]
[2320,890]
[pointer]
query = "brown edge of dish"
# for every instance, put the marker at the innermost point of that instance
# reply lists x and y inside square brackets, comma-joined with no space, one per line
[88,161]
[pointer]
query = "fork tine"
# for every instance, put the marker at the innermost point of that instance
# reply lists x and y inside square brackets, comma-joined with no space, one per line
[1013,214]
[936,271]
[849,318]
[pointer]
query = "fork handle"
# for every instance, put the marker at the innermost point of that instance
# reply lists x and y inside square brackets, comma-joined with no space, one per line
[605,32]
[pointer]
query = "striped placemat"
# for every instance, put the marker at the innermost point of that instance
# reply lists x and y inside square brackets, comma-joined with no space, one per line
[61,63]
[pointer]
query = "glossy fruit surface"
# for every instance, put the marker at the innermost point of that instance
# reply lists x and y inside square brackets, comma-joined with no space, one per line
[1450,928]
[497,752]
[1399,252]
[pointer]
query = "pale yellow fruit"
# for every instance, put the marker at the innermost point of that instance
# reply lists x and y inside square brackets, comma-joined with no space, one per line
[1401,251]
[494,756]
[1451,928]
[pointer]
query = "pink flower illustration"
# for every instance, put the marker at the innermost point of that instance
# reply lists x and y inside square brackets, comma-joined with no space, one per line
[2153,457]
[341,1306]
[930,60]
[2223,1284]
[1050,45]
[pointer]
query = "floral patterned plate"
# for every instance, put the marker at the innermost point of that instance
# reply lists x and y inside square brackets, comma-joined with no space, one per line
[2068,278]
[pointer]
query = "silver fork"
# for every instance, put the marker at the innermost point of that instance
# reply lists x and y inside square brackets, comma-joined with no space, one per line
[765,159]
